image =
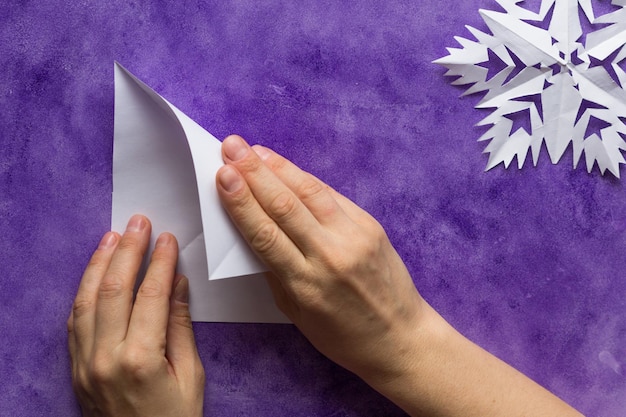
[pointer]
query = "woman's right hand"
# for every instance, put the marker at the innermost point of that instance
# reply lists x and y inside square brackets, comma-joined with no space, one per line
[335,273]
[337,277]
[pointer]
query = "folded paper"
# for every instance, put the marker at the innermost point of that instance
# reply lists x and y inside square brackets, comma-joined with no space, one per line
[164,166]
[555,77]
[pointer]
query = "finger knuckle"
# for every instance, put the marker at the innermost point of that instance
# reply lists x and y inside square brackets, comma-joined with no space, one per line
[342,266]
[365,252]
[181,316]
[370,248]
[111,287]
[277,164]
[377,231]
[249,164]
[135,363]
[151,289]
[311,187]
[366,243]
[315,193]
[265,238]
[100,372]
[282,206]
[81,307]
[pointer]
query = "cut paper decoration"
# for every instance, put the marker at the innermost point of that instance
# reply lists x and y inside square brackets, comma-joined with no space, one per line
[164,166]
[555,77]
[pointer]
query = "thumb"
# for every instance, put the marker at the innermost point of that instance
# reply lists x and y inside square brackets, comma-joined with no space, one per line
[181,348]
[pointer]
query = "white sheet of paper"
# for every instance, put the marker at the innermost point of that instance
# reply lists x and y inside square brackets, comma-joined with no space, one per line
[558,64]
[164,166]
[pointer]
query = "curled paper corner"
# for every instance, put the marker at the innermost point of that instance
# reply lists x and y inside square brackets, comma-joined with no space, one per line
[164,166]
[555,77]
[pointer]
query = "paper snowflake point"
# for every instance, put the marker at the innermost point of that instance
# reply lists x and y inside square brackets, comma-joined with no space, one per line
[555,78]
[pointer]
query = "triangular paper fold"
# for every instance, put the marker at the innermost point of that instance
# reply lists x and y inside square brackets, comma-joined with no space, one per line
[164,166]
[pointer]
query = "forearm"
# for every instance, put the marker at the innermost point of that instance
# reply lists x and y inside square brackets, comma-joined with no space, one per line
[448,376]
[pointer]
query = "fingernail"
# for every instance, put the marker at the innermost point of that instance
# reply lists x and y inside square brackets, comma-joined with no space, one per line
[136,223]
[229,179]
[163,240]
[108,241]
[181,292]
[235,148]
[262,152]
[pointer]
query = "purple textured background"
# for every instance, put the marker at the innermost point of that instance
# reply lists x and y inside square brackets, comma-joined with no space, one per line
[529,263]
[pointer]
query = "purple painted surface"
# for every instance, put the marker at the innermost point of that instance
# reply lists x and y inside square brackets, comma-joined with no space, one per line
[530,264]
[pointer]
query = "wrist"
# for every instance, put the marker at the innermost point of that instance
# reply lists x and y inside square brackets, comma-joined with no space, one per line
[415,350]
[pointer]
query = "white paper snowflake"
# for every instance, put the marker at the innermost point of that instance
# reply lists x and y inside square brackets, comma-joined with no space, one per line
[556,76]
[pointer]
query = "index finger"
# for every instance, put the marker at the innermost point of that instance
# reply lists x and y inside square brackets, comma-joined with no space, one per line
[149,318]
[81,324]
